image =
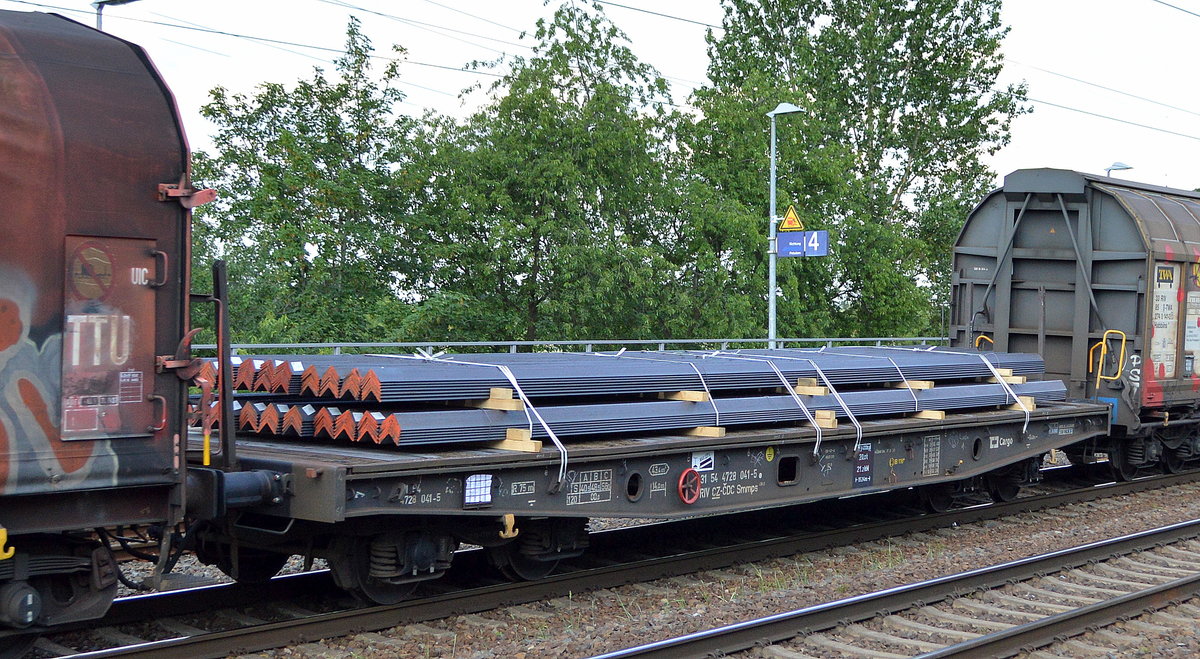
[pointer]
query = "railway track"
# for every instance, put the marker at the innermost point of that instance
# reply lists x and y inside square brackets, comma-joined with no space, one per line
[997,611]
[219,620]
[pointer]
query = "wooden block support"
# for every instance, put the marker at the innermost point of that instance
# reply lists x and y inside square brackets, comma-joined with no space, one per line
[1030,404]
[806,382]
[936,415]
[1004,371]
[1010,379]
[517,439]
[499,398]
[827,424]
[913,384]
[690,396]
[824,414]
[807,390]
[706,431]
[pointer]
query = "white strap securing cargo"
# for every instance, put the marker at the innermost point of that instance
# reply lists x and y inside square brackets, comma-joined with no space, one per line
[1008,391]
[423,355]
[858,431]
[786,385]
[703,383]
[899,371]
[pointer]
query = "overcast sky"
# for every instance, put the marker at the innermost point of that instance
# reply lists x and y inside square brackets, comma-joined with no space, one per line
[1110,78]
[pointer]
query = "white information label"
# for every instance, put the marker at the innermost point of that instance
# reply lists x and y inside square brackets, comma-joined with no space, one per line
[1165,317]
[594,486]
[1191,333]
[479,490]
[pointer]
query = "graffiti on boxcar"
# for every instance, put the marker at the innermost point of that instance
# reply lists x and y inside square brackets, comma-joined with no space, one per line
[33,456]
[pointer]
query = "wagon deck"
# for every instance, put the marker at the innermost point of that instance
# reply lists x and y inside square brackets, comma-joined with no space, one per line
[662,475]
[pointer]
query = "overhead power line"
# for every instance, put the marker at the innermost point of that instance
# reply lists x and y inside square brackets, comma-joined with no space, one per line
[476,17]
[267,45]
[1111,118]
[281,42]
[1186,11]
[1105,88]
[659,14]
[439,30]
[261,39]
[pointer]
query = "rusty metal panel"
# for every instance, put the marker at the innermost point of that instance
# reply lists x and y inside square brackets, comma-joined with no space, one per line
[88,131]
[107,336]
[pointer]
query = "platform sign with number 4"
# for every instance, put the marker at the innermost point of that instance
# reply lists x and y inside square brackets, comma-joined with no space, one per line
[804,243]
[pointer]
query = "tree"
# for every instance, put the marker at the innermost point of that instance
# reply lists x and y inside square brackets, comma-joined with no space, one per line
[900,111]
[562,209]
[312,203]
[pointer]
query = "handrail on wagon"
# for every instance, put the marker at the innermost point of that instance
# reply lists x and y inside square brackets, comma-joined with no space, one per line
[1102,344]
[588,345]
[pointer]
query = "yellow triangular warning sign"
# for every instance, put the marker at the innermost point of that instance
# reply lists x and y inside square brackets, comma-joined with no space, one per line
[791,221]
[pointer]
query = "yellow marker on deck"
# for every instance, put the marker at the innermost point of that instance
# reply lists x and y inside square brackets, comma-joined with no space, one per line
[510,530]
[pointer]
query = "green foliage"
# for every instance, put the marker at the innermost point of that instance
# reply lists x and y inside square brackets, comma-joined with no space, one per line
[899,112]
[560,210]
[580,203]
[310,213]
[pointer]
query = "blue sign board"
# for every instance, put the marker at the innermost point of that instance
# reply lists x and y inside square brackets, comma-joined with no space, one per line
[803,243]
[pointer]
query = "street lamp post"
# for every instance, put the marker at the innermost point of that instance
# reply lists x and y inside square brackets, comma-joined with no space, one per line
[772,242]
[1116,166]
[99,6]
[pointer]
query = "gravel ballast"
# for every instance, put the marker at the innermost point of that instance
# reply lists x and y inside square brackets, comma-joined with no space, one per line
[583,624]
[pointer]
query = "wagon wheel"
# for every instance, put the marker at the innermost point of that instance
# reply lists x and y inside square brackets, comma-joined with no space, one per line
[1004,484]
[1122,469]
[1003,488]
[516,566]
[937,498]
[1173,462]
[351,568]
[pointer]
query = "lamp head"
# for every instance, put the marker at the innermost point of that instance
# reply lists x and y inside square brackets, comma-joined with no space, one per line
[1116,166]
[785,108]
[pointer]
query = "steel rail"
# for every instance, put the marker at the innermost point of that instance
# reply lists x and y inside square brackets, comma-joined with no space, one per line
[470,600]
[787,625]
[1048,630]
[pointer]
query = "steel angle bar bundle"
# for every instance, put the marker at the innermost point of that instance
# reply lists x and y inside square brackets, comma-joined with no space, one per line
[389,379]
[406,428]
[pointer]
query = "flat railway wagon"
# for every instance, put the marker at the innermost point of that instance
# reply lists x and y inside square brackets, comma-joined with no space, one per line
[1102,278]
[96,370]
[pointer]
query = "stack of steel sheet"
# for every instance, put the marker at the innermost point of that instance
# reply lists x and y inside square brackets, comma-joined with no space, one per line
[464,377]
[481,425]
[277,373]
[386,400]
[298,421]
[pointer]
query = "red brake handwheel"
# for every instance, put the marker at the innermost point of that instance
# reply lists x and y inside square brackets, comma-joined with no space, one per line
[689,486]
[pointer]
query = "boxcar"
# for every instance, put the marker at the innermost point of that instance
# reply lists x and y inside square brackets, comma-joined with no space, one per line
[1102,278]
[93,261]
